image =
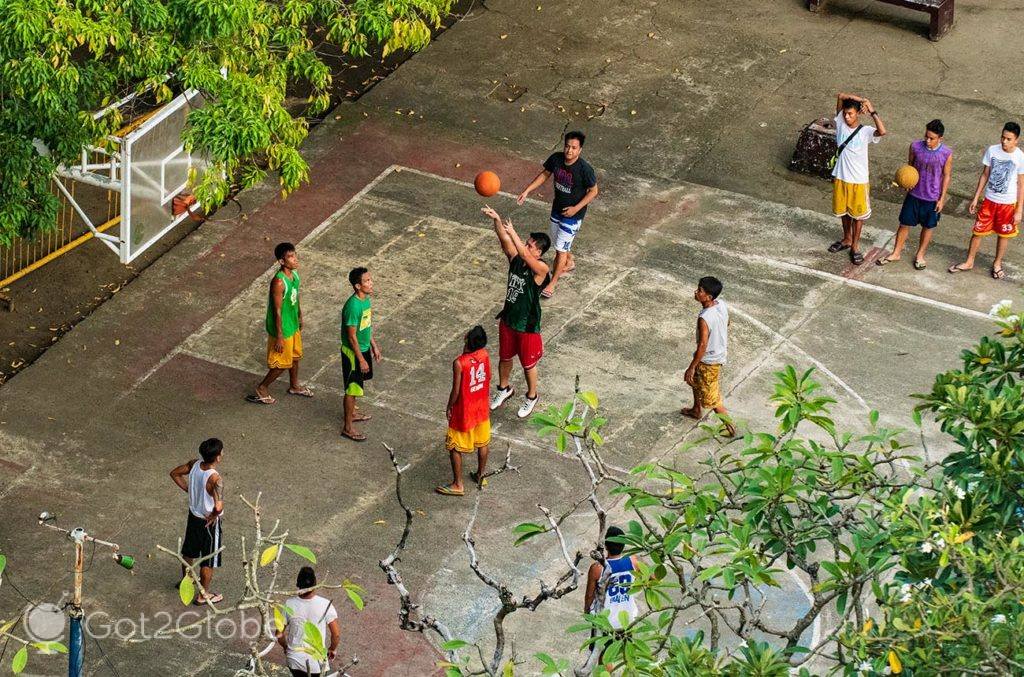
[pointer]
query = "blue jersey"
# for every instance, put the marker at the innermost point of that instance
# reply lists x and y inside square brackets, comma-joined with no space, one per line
[617,598]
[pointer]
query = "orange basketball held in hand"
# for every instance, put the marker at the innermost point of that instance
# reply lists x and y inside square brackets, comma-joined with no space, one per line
[907,177]
[487,183]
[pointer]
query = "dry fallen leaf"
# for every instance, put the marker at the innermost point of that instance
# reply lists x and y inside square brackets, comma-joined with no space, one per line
[421,513]
[632,112]
[380,522]
[117,342]
[503,36]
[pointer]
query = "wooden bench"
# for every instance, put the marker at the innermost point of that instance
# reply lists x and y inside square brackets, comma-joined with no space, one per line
[941,12]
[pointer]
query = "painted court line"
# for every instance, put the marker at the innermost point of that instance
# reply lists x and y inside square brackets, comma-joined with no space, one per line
[800,268]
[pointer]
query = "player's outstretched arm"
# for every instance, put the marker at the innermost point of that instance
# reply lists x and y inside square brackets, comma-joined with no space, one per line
[506,243]
[537,182]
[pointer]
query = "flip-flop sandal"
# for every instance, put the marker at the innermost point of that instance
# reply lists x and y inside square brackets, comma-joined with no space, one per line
[358,418]
[358,437]
[837,246]
[260,399]
[201,601]
[856,258]
[301,392]
[545,294]
[998,274]
[920,265]
[472,476]
[955,268]
[885,260]
[448,491]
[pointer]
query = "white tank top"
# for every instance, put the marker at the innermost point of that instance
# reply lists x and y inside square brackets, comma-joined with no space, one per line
[717,319]
[619,574]
[200,502]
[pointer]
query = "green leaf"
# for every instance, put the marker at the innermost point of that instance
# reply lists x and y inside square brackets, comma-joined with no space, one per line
[313,641]
[302,551]
[3,564]
[454,645]
[590,398]
[19,660]
[50,647]
[187,590]
[354,593]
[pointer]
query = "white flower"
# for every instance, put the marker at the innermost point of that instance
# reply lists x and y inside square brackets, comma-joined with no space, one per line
[927,547]
[1011,319]
[960,493]
[905,593]
[999,618]
[887,671]
[926,583]
[1001,309]
[865,667]
[940,544]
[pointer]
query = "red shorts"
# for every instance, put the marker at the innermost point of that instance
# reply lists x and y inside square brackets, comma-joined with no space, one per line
[995,218]
[528,346]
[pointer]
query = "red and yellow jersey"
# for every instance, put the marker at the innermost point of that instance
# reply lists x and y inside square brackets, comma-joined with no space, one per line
[472,408]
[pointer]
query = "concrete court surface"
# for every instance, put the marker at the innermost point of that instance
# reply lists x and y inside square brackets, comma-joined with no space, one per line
[91,429]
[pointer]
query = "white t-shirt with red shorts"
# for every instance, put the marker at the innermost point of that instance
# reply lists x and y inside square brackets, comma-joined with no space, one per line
[996,214]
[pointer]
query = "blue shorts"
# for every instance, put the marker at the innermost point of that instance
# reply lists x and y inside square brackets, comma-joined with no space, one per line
[918,212]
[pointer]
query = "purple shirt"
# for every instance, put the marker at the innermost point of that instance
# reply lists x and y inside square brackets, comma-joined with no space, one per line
[929,164]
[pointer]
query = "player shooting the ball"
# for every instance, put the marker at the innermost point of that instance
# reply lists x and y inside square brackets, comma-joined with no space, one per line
[519,319]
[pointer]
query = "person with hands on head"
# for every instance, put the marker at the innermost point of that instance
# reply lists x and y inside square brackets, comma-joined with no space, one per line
[851,200]
[359,350]
[575,187]
[284,328]
[519,319]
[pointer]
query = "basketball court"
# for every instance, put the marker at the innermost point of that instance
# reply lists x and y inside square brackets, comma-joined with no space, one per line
[135,388]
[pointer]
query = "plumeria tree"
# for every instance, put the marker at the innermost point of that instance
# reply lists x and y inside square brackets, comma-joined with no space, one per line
[62,60]
[909,566]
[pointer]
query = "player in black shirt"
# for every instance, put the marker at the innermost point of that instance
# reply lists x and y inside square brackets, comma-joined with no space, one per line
[575,187]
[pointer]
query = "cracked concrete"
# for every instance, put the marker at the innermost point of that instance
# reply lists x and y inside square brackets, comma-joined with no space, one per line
[699,107]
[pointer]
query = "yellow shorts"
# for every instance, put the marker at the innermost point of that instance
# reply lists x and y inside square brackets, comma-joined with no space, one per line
[706,389]
[470,440]
[292,351]
[851,199]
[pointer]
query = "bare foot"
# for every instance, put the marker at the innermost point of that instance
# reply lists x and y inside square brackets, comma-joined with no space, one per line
[691,412]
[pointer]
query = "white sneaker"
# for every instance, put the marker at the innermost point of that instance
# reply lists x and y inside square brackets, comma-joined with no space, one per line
[527,408]
[500,395]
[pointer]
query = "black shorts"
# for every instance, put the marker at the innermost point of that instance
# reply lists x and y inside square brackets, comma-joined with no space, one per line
[351,374]
[918,212]
[202,540]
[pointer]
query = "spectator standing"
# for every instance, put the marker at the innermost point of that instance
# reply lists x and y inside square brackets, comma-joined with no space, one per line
[923,205]
[1002,184]
[308,607]
[200,478]
[704,372]
[851,188]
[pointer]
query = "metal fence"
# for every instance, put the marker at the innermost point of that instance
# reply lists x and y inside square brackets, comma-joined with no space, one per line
[24,255]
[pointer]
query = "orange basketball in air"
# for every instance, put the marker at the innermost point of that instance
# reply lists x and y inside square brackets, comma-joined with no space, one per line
[487,183]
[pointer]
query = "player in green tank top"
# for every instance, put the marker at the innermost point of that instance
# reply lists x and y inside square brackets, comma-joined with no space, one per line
[284,327]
